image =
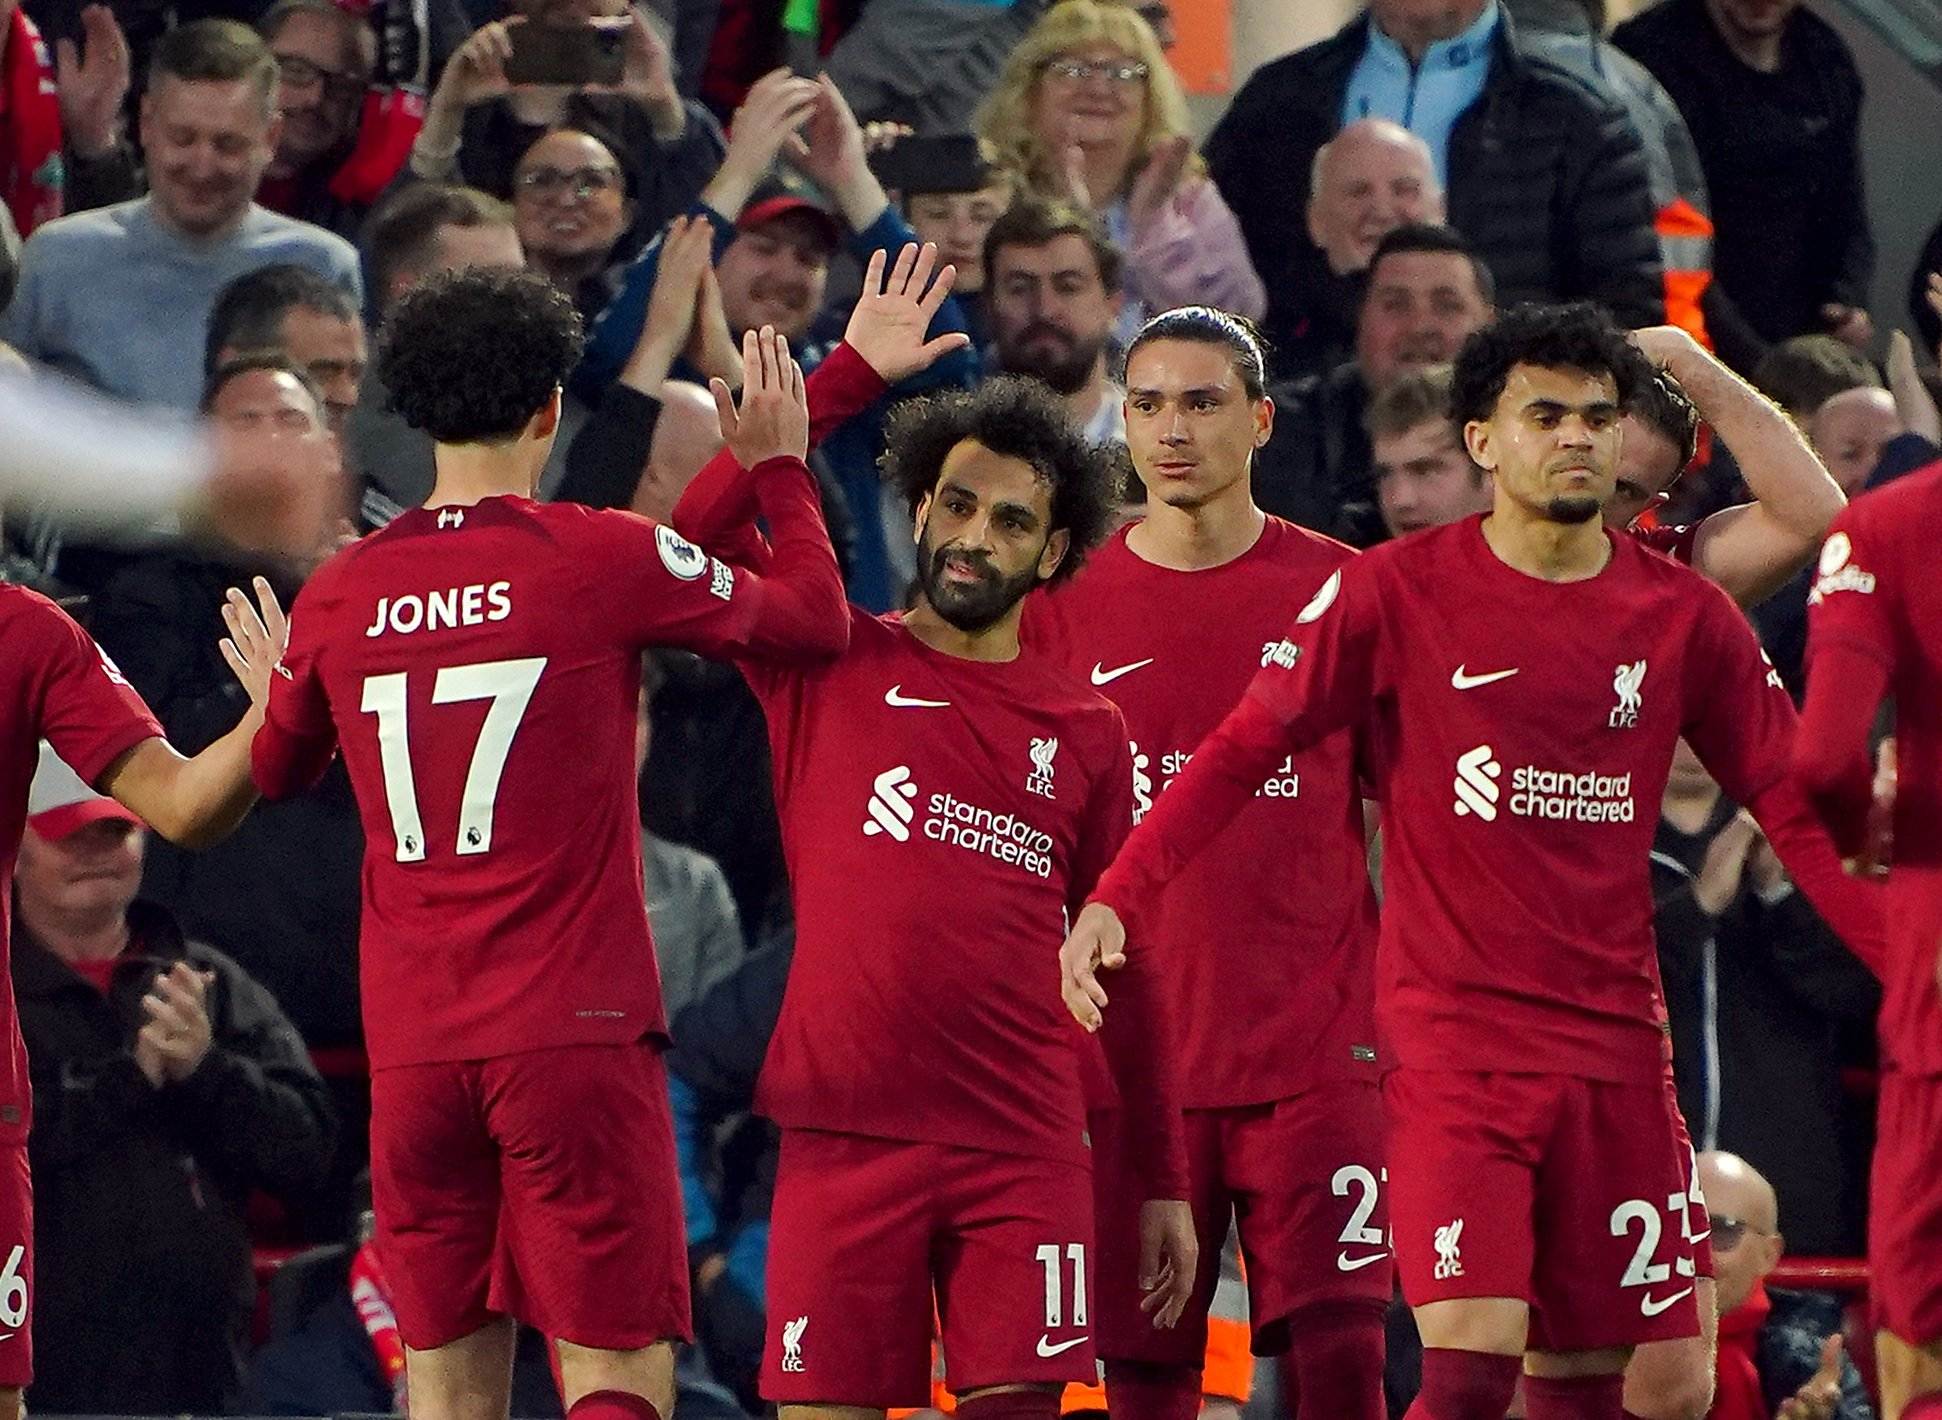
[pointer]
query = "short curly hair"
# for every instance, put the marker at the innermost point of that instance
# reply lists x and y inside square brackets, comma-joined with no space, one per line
[471,356]
[1578,336]
[1018,418]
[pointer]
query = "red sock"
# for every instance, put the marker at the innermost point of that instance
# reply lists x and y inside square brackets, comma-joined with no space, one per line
[1139,1390]
[1465,1385]
[1576,1398]
[1924,1407]
[1337,1357]
[612,1405]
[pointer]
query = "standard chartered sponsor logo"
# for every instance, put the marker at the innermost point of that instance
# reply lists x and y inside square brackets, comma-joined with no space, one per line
[1284,783]
[1558,795]
[892,812]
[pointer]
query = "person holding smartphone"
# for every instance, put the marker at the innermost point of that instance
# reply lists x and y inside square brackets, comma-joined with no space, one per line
[591,65]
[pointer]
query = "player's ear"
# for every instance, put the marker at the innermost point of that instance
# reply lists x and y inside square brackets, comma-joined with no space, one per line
[1476,442]
[1263,421]
[546,422]
[918,519]
[1056,547]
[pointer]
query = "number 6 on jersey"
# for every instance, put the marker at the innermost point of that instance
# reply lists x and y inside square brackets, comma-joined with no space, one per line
[509,686]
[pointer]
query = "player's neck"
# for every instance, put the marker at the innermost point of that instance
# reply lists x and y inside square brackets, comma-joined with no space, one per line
[1528,542]
[468,473]
[1195,539]
[997,642]
[89,936]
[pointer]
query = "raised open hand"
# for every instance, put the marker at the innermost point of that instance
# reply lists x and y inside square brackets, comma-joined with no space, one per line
[888,326]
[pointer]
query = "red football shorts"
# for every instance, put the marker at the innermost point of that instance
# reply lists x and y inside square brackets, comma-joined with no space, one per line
[540,1186]
[863,1230]
[16,1268]
[1905,1208]
[1303,1177]
[1571,1194]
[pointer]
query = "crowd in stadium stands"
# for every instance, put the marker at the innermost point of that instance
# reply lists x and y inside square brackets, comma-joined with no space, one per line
[218,209]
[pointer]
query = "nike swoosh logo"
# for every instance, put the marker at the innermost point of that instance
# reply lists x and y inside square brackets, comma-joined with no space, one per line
[1464,681]
[1045,1347]
[1356,1264]
[895,696]
[1652,1306]
[1102,676]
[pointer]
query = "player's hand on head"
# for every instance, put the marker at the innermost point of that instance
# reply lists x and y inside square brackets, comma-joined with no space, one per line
[896,309]
[1097,942]
[258,636]
[1169,1259]
[772,419]
[1661,344]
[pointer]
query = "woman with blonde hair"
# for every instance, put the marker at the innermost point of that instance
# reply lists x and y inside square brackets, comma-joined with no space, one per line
[1088,110]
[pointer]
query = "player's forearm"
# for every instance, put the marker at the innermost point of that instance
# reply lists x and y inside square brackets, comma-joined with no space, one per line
[1781,469]
[800,613]
[1830,763]
[1224,774]
[1851,906]
[191,802]
[1139,1044]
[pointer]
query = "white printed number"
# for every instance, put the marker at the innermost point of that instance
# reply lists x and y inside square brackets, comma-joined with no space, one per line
[1358,1231]
[13,1290]
[1049,1259]
[509,686]
[1643,1272]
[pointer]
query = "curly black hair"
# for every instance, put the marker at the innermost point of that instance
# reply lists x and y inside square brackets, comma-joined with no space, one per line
[1018,418]
[1578,337]
[471,356]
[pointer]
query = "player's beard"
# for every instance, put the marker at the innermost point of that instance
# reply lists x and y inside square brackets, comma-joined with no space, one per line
[970,606]
[1578,508]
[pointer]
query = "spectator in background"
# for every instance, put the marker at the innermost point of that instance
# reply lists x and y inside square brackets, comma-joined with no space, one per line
[1426,292]
[293,312]
[1424,476]
[572,204]
[1089,112]
[956,214]
[1780,1352]
[119,297]
[1571,35]
[1371,178]
[1760,994]
[281,894]
[1545,173]
[1803,372]
[325,58]
[928,63]
[1773,99]
[1851,429]
[1054,294]
[167,1087]
[423,228]
[1923,308]
[478,122]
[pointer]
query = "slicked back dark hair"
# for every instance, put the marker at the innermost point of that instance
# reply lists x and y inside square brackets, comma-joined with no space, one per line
[1578,337]
[1437,240]
[1203,325]
[1662,404]
[219,378]
[471,356]
[1018,418]
[249,311]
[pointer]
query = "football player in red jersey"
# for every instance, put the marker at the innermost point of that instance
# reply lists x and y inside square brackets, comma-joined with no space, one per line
[1875,630]
[946,801]
[478,663]
[1527,674]
[57,685]
[1171,619]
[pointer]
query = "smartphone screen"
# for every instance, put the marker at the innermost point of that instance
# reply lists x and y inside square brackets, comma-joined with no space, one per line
[573,55]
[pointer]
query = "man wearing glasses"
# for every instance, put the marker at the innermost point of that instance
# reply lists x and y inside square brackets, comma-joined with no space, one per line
[325,59]
[1779,1351]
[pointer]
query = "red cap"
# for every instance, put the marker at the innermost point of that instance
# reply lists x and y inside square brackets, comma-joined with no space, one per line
[59,803]
[781,204]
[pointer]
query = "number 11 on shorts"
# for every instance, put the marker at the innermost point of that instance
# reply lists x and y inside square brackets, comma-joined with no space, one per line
[1049,1258]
